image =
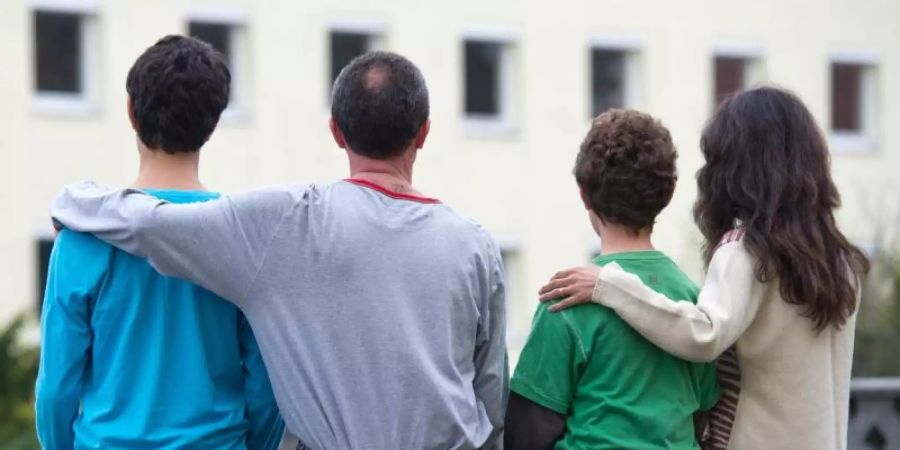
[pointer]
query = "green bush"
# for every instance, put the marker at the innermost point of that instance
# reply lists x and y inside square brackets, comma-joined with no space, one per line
[18,370]
[878,324]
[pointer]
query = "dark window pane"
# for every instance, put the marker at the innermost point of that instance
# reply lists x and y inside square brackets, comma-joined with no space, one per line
[482,60]
[216,34]
[607,80]
[345,47]
[729,77]
[846,84]
[58,57]
[44,247]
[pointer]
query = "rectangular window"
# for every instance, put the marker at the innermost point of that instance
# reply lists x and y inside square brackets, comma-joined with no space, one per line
[59,57]
[216,34]
[64,56]
[487,97]
[846,97]
[483,78]
[730,77]
[227,38]
[609,79]
[736,67]
[854,101]
[43,248]
[346,45]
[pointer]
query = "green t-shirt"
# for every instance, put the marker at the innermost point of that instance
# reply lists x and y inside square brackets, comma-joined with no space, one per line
[617,389]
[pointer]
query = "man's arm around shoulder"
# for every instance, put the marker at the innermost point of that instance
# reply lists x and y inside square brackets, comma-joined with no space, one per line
[219,245]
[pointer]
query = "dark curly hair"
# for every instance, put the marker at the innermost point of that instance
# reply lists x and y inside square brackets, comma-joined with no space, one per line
[626,168]
[178,89]
[768,170]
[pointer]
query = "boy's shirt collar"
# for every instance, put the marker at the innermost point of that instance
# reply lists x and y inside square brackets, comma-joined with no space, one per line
[630,256]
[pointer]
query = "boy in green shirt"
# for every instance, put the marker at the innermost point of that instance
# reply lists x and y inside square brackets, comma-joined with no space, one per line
[585,379]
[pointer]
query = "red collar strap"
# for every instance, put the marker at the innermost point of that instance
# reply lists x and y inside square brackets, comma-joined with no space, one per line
[393,194]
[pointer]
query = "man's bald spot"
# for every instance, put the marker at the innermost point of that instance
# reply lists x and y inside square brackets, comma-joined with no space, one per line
[376,77]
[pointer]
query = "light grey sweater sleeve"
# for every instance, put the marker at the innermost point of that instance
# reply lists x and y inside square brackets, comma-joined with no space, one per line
[219,245]
[727,306]
[491,381]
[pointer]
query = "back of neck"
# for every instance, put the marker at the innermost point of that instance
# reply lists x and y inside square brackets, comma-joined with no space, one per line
[394,174]
[619,240]
[161,170]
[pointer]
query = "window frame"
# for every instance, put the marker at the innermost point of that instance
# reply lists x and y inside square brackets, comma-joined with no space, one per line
[864,141]
[752,56]
[41,273]
[511,253]
[85,102]
[237,21]
[503,124]
[375,31]
[632,47]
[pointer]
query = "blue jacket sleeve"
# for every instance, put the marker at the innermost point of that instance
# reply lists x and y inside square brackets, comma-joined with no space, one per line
[77,267]
[266,426]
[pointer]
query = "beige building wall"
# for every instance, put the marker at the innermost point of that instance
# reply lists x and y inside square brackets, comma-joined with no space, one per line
[514,178]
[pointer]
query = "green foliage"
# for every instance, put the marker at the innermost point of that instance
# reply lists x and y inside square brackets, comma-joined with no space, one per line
[878,324]
[18,370]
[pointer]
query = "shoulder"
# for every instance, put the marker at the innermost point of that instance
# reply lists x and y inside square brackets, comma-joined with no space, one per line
[732,244]
[275,199]
[732,260]
[731,249]
[732,236]
[485,245]
[79,258]
[563,322]
[580,324]
[85,244]
[680,285]
[467,227]
[284,192]
[581,319]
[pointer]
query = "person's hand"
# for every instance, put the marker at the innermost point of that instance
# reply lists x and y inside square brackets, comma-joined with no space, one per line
[575,286]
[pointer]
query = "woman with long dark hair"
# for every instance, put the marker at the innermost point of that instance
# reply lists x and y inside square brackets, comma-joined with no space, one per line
[782,284]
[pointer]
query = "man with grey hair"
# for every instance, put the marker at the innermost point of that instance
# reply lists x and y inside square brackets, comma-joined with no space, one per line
[379,311]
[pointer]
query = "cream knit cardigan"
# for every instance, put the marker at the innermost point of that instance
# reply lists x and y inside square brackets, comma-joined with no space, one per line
[795,381]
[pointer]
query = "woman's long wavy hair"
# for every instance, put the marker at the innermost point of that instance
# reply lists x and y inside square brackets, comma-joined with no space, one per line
[768,170]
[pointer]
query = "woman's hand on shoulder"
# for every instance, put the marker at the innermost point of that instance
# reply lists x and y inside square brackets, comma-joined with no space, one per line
[574,286]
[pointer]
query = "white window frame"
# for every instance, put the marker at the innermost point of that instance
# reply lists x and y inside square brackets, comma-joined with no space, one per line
[237,20]
[864,141]
[511,245]
[86,102]
[374,29]
[752,54]
[632,46]
[504,123]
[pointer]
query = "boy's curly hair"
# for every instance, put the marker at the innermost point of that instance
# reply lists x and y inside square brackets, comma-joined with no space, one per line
[626,168]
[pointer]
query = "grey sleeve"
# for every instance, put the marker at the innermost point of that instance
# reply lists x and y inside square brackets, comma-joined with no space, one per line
[491,367]
[219,245]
